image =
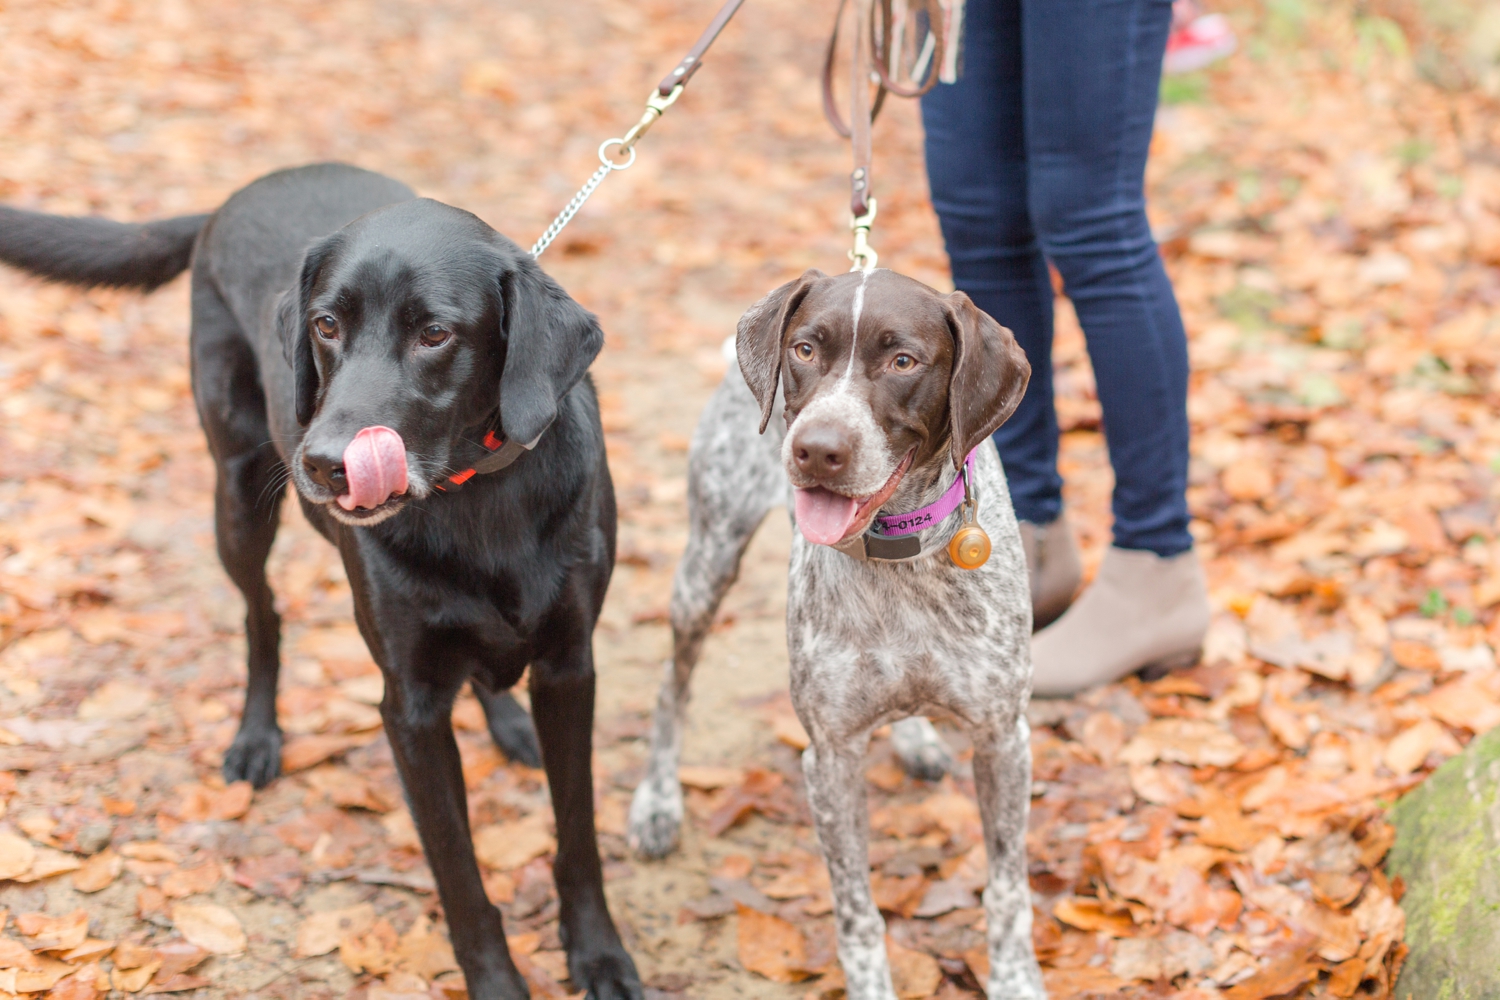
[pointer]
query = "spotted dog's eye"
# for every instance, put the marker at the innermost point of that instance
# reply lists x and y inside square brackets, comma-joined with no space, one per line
[804,352]
[434,336]
[903,362]
[327,327]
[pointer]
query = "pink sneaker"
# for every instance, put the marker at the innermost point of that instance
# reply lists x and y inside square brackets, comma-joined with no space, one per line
[1203,41]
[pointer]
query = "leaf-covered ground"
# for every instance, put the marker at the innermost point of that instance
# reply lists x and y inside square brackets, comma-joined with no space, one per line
[1331,220]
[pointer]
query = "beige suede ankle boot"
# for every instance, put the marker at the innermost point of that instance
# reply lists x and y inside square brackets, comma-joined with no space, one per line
[1052,568]
[1141,611]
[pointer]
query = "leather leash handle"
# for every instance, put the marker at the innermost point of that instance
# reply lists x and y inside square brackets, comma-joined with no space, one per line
[830,106]
[684,70]
[861,112]
[883,60]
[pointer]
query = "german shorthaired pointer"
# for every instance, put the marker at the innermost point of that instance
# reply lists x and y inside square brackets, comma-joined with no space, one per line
[890,391]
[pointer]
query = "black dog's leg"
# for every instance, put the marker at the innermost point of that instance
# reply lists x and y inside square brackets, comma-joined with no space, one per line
[247,512]
[418,723]
[510,726]
[562,702]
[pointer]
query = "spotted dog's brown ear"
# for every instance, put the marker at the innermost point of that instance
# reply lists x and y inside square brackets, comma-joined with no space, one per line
[760,338]
[989,377]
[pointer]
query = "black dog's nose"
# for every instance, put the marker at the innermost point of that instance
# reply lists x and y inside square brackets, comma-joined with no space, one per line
[821,451]
[326,470]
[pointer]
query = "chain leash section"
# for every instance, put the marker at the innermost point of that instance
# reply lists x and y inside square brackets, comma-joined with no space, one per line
[609,162]
[863,255]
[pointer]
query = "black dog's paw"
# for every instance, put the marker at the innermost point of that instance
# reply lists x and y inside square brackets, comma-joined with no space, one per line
[510,727]
[607,976]
[254,756]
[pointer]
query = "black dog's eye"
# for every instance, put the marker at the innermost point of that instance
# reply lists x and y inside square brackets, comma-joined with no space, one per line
[804,352]
[434,336]
[903,362]
[327,327]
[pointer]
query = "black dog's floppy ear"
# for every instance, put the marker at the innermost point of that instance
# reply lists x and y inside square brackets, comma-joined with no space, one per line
[296,338]
[550,341]
[989,377]
[759,336]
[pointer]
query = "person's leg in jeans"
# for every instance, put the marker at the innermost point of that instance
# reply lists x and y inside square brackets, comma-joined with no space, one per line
[1092,71]
[976,164]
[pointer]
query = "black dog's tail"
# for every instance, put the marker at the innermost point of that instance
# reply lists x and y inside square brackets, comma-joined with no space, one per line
[92,251]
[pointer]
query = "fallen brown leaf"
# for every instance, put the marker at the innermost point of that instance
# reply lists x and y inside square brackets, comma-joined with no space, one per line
[771,947]
[210,926]
[321,933]
[99,871]
[507,846]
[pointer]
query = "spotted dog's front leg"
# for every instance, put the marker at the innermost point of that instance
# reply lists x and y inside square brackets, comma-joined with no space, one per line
[1002,779]
[836,793]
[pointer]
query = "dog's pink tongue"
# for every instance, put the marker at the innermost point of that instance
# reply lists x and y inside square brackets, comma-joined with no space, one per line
[823,515]
[375,466]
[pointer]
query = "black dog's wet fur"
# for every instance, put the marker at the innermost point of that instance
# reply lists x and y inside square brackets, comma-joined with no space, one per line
[509,571]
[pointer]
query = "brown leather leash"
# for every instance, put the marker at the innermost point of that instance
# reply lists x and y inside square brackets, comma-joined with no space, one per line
[663,97]
[883,46]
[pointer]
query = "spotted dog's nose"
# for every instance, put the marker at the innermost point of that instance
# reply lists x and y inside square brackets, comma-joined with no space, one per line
[821,450]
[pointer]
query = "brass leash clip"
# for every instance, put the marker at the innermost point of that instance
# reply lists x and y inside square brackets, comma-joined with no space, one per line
[863,255]
[656,106]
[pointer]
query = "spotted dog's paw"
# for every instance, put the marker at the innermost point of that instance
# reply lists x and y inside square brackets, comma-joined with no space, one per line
[655,818]
[254,756]
[920,749]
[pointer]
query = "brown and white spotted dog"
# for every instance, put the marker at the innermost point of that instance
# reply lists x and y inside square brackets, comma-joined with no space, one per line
[887,387]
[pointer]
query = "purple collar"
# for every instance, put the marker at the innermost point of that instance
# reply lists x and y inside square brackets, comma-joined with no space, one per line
[896,525]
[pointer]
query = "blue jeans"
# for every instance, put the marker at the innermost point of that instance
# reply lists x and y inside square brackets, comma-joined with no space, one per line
[1038,152]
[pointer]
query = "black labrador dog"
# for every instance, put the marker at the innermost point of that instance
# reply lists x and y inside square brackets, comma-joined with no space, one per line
[382,348]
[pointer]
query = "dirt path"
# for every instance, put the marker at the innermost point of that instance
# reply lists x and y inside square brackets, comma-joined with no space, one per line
[1329,221]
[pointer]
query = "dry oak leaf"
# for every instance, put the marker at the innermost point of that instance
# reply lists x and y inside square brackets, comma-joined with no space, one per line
[771,947]
[210,926]
[178,957]
[98,872]
[373,952]
[116,700]
[707,779]
[425,951]
[507,846]
[1195,742]
[35,980]
[1463,703]
[1089,915]
[48,863]
[1278,977]
[302,752]
[197,803]
[1415,655]
[136,979]
[54,933]
[15,955]
[91,950]
[756,792]
[915,974]
[322,932]
[191,881]
[182,983]
[81,985]
[150,850]
[1409,748]
[17,854]
[130,955]
[346,788]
